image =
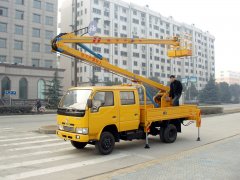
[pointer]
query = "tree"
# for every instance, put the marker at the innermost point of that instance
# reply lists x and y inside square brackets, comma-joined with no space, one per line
[210,94]
[53,91]
[152,91]
[235,93]
[191,92]
[225,94]
[112,83]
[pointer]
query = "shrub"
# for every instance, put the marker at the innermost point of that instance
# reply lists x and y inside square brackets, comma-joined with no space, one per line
[15,109]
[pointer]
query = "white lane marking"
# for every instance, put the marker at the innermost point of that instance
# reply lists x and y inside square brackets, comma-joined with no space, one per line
[37,161]
[36,153]
[23,138]
[63,167]
[16,135]
[30,142]
[7,129]
[38,146]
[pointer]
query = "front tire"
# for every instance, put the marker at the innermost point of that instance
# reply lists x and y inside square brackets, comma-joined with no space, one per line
[106,143]
[170,133]
[78,145]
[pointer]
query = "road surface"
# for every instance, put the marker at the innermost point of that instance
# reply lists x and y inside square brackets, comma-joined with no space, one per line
[26,154]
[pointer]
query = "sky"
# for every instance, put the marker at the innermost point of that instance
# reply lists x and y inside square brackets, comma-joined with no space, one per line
[220,17]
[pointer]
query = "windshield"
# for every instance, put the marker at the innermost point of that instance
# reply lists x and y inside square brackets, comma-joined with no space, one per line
[75,99]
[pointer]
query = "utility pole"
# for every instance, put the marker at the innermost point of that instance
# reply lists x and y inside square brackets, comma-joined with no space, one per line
[75,45]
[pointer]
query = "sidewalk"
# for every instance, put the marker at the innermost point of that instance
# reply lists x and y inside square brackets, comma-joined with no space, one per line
[219,160]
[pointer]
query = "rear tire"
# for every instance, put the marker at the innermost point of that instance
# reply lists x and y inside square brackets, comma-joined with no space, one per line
[78,145]
[106,143]
[170,133]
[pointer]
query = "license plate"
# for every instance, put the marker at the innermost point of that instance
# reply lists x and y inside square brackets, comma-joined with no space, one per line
[68,129]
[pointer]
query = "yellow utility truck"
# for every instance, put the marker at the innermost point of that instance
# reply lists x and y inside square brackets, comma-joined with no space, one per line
[103,115]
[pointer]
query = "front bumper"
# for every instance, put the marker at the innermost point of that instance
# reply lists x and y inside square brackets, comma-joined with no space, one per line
[72,136]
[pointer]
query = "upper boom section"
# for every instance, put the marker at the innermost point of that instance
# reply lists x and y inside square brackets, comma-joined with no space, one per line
[61,44]
[72,38]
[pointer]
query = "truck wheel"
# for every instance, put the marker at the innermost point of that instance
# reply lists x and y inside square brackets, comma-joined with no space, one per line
[78,145]
[106,143]
[162,129]
[170,133]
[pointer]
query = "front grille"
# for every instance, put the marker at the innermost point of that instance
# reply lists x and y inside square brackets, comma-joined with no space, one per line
[68,128]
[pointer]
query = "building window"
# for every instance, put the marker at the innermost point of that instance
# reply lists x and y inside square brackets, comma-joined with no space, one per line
[96,2]
[17,60]
[20,2]
[3,11]
[106,4]
[36,18]
[123,53]
[124,62]
[106,32]
[136,21]
[49,7]
[48,34]
[37,4]
[19,15]
[3,27]
[106,13]
[3,59]
[97,49]
[6,85]
[3,43]
[48,64]
[23,88]
[106,51]
[18,45]
[35,47]
[35,32]
[97,11]
[48,48]
[35,62]
[49,20]
[41,89]
[18,30]
[127,98]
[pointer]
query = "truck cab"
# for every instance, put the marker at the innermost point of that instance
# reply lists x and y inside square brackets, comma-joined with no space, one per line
[85,113]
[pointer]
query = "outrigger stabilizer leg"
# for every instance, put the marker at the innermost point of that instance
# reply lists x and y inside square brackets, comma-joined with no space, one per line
[147,145]
[198,139]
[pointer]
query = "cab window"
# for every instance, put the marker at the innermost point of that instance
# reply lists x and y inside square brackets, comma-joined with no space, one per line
[127,97]
[102,99]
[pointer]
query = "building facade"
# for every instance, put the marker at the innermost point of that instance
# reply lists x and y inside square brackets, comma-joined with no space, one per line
[26,61]
[229,77]
[120,19]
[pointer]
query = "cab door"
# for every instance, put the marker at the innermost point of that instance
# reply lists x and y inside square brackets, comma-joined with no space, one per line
[129,112]
[103,112]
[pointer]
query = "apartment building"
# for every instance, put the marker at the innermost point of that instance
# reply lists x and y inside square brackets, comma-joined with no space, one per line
[230,77]
[116,18]
[26,61]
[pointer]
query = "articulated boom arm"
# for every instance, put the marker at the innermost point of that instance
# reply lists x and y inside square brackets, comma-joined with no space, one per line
[60,44]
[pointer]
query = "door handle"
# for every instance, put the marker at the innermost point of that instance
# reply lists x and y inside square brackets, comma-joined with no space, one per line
[114,117]
[135,114]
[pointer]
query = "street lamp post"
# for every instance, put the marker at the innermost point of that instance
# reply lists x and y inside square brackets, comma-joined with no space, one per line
[75,45]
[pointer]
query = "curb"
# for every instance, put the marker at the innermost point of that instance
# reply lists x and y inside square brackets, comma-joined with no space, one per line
[50,129]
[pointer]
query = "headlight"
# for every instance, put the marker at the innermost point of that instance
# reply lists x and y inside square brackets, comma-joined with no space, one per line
[60,127]
[82,130]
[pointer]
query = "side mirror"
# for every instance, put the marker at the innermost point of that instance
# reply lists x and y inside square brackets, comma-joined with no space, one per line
[89,103]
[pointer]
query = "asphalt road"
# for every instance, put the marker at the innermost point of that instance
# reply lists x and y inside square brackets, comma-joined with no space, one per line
[26,154]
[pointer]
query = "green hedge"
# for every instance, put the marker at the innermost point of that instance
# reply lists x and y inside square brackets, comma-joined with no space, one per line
[211,110]
[15,109]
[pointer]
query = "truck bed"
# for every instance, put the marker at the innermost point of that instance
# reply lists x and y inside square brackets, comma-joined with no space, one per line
[188,112]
